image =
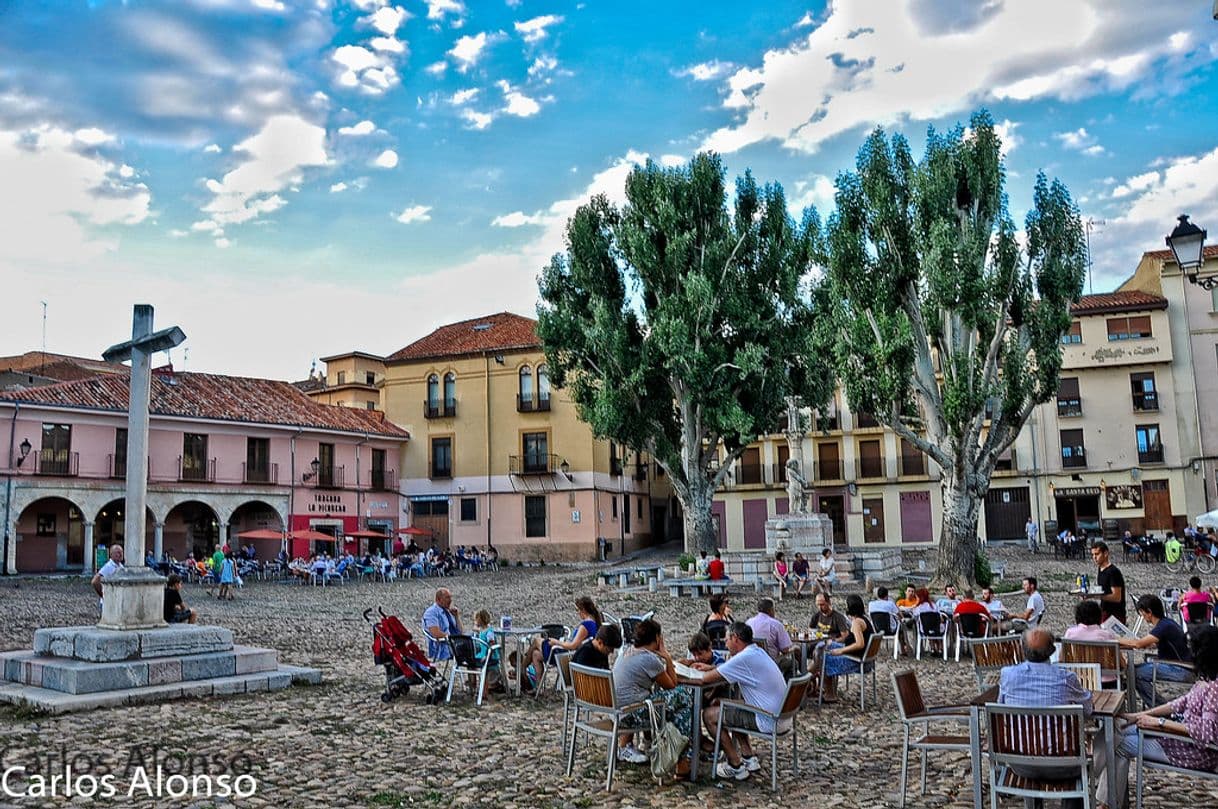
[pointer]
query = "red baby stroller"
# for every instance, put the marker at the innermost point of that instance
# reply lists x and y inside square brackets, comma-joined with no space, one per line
[405,663]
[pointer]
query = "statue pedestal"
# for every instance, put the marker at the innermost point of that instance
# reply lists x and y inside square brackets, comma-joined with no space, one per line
[803,533]
[133,598]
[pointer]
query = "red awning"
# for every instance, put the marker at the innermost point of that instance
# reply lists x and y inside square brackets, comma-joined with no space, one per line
[367,534]
[417,532]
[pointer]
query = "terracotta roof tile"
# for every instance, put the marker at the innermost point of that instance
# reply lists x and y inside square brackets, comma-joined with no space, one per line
[1127,301]
[499,332]
[210,396]
[63,367]
[1210,251]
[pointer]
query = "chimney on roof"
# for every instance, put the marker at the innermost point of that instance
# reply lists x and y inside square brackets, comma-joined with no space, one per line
[165,372]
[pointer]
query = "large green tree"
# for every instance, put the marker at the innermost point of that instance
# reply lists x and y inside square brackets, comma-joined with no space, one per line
[678,324]
[948,328]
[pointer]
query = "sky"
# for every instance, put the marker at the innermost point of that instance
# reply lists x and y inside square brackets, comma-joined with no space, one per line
[286,180]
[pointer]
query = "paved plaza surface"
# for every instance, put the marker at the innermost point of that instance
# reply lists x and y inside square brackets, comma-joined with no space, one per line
[337,745]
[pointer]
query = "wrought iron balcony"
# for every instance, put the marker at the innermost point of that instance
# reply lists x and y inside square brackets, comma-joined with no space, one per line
[533,463]
[264,473]
[437,409]
[57,463]
[201,470]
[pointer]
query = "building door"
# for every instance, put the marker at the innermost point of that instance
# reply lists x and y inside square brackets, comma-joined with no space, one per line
[1006,513]
[431,515]
[719,518]
[1156,501]
[1065,514]
[828,462]
[659,527]
[755,515]
[873,519]
[626,514]
[834,505]
[916,524]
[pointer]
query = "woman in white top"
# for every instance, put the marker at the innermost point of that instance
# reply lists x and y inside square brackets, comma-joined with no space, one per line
[826,575]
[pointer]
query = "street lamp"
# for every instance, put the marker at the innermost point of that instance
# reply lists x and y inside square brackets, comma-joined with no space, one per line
[565,468]
[315,465]
[1187,243]
[25,451]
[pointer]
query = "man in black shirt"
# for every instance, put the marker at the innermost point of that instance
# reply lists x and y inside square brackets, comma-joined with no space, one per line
[1171,644]
[175,611]
[594,653]
[1111,581]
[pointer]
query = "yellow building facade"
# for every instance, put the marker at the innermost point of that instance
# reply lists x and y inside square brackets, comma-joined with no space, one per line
[352,379]
[500,458]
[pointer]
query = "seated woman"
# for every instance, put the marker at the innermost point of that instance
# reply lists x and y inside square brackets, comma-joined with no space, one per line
[826,572]
[1194,716]
[781,572]
[634,678]
[1088,617]
[830,652]
[542,651]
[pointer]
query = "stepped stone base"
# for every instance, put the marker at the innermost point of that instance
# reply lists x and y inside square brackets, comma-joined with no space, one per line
[77,668]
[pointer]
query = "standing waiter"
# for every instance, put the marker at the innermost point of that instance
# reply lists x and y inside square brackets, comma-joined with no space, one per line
[1111,580]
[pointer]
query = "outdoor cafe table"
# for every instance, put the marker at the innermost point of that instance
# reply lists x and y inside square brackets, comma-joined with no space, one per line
[1105,707]
[806,641]
[520,637]
[696,687]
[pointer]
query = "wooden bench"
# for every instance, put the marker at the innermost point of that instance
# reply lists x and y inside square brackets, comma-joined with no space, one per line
[697,587]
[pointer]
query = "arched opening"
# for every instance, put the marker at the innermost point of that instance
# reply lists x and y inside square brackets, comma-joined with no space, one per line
[191,527]
[109,526]
[50,537]
[261,517]
[543,387]
[526,389]
[433,391]
[450,390]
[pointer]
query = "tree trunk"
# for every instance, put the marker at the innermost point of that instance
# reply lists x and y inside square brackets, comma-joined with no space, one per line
[700,533]
[958,543]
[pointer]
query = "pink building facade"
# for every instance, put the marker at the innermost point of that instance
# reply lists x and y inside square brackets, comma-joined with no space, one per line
[226,455]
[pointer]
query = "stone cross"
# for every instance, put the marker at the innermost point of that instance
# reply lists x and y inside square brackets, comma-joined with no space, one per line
[139,349]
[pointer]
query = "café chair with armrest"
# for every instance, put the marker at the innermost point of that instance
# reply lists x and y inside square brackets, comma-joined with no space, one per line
[888,626]
[784,723]
[916,716]
[992,655]
[1155,662]
[970,626]
[1105,652]
[1088,674]
[1143,763]
[1026,739]
[470,657]
[597,713]
[562,661]
[553,632]
[866,661]
[932,628]
[1196,614]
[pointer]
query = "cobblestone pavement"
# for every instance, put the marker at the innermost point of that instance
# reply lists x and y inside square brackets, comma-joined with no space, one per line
[337,745]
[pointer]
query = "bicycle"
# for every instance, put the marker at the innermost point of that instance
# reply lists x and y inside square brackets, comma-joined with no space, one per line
[1191,559]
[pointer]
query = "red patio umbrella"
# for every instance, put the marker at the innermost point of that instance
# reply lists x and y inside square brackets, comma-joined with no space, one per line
[260,533]
[367,534]
[310,534]
[413,531]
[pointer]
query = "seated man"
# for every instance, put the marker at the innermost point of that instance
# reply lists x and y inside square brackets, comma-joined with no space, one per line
[702,566]
[715,569]
[800,574]
[777,640]
[1171,644]
[998,612]
[175,611]
[594,652]
[1035,608]
[761,685]
[440,620]
[828,621]
[882,603]
[950,599]
[1037,683]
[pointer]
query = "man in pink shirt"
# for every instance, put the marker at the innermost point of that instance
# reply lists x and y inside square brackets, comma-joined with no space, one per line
[771,630]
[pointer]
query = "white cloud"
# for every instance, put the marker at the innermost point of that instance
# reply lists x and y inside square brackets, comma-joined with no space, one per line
[705,71]
[414,213]
[212,148]
[386,160]
[477,120]
[469,49]
[816,189]
[1074,140]
[517,219]
[1139,182]
[274,159]
[126,172]
[92,136]
[873,61]
[1094,151]
[389,19]
[463,96]
[268,5]
[672,160]
[542,64]
[438,9]
[362,128]
[437,68]
[178,234]
[534,30]
[53,192]
[517,103]
[363,69]
[387,45]
[805,20]
[338,188]
[222,243]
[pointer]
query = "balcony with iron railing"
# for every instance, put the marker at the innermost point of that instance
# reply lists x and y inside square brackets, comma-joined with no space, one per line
[260,473]
[116,467]
[57,463]
[1069,408]
[778,473]
[749,474]
[870,468]
[528,404]
[436,409]
[1074,457]
[199,470]
[1007,464]
[533,463]
[829,470]
[1152,454]
[325,477]
[912,466]
[1146,400]
[383,480]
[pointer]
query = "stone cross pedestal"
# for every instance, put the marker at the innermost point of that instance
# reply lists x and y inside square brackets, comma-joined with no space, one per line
[134,598]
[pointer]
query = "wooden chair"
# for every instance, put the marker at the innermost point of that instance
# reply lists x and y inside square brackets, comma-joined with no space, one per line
[797,689]
[1105,652]
[992,655]
[866,663]
[595,698]
[1088,674]
[562,662]
[916,716]
[1142,762]
[1033,738]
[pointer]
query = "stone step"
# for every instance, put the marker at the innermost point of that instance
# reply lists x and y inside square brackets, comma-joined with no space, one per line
[58,702]
[107,645]
[71,676]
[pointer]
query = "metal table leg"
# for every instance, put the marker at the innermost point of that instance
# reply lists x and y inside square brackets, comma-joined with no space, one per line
[695,732]
[974,738]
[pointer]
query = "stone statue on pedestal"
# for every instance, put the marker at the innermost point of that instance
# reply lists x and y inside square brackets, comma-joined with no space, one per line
[796,484]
